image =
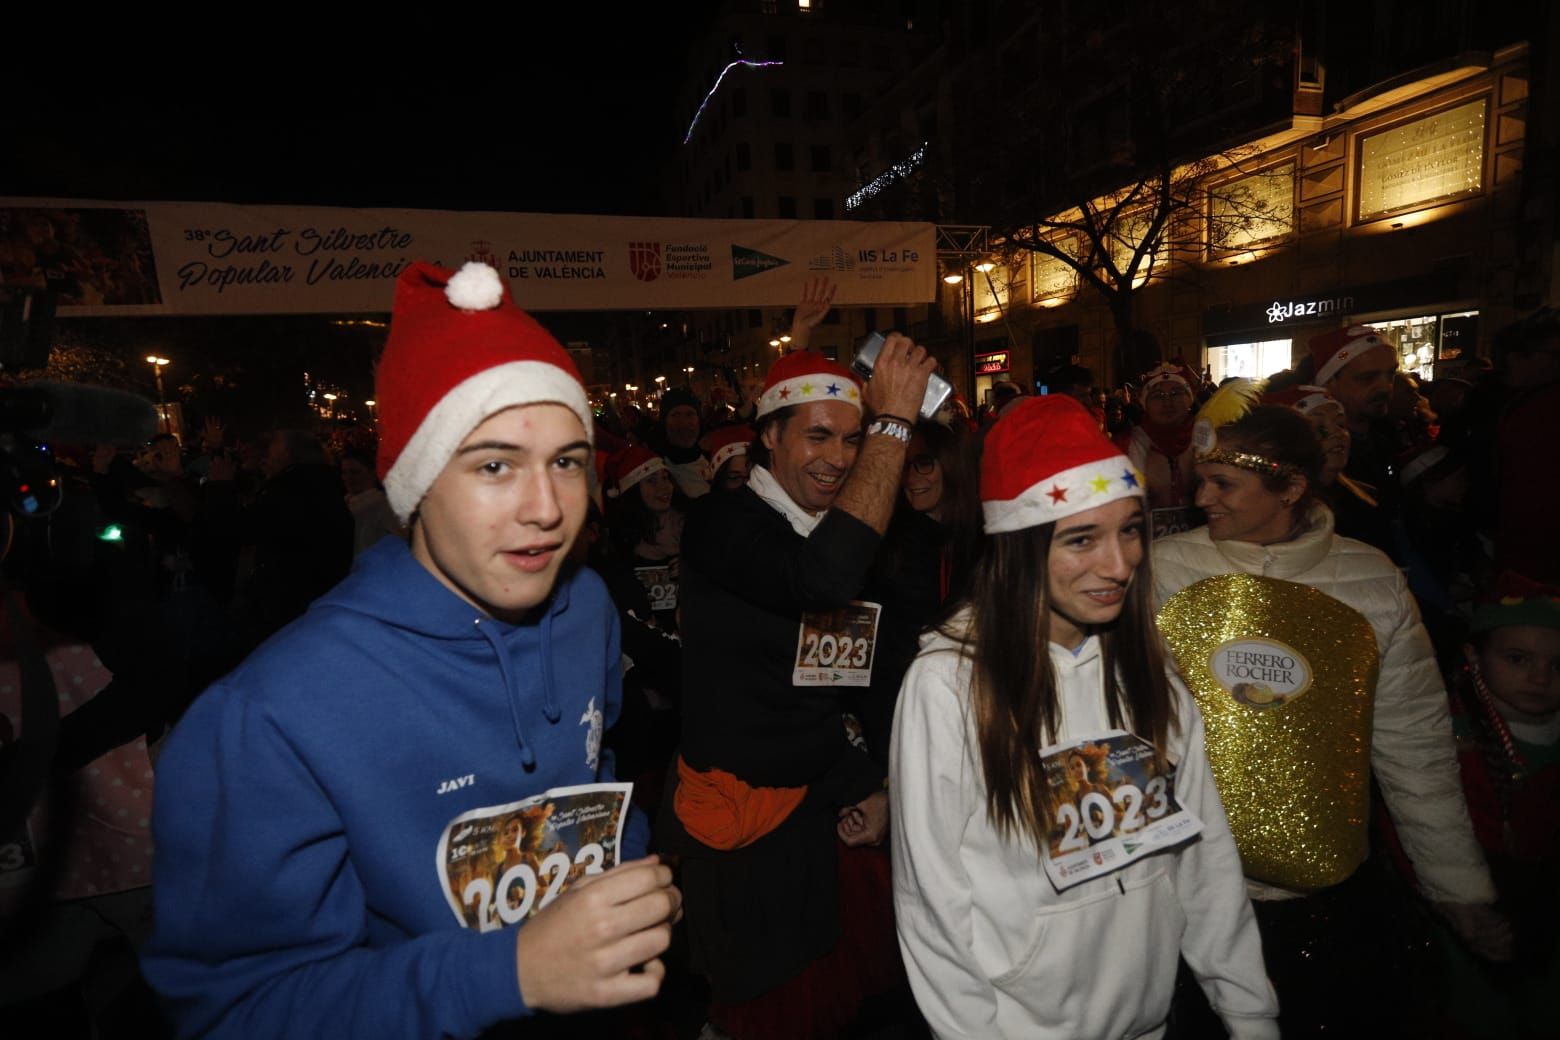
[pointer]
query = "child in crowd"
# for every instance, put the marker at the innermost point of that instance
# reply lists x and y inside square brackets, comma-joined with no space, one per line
[1506,713]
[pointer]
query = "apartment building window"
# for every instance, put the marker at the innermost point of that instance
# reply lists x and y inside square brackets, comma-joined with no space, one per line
[850,101]
[784,160]
[1426,161]
[820,158]
[1051,278]
[816,106]
[1258,208]
[823,209]
[747,207]
[1126,235]
[739,102]
[785,206]
[776,48]
[744,156]
[780,103]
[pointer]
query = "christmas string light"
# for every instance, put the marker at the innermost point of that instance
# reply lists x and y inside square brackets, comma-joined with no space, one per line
[718,79]
[898,171]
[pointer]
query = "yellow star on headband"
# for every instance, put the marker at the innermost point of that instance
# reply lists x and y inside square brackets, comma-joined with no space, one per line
[1100,483]
[852,394]
[807,388]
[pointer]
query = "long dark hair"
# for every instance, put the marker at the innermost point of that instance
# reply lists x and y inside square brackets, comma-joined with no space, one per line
[630,521]
[957,452]
[1014,695]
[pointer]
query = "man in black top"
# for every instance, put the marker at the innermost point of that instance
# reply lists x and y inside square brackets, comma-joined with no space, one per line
[770,786]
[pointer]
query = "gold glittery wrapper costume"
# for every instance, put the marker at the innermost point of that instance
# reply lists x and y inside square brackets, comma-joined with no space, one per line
[1285,678]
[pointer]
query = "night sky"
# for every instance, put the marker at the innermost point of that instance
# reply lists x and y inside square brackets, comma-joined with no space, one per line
[577,114]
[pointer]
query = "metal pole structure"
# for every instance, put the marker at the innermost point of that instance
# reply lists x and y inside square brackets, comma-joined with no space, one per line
[157,362]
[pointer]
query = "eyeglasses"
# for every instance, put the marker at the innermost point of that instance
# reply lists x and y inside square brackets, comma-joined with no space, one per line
[923,464]
[1169,394]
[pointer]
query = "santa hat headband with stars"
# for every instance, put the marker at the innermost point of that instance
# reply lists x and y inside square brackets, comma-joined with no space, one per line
[1302,398]
[804,376]
[1332,350]
[1047,460]
[459,351]
[727,443]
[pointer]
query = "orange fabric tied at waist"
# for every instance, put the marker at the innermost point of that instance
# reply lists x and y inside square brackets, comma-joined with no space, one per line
[725,813]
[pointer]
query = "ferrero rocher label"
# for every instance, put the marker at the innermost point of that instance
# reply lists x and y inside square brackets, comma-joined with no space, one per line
[1285,678]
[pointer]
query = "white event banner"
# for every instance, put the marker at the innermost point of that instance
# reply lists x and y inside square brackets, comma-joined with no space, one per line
[172,258]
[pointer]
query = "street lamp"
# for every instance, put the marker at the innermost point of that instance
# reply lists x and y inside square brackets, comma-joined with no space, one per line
[371,405]
[158,363]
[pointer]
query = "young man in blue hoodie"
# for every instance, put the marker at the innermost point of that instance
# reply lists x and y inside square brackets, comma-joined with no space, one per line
[365,828]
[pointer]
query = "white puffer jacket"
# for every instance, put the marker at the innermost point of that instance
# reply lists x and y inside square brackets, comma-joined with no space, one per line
[1412,750]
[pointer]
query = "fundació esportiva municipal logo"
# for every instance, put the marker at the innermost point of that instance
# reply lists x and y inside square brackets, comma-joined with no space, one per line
[644,260]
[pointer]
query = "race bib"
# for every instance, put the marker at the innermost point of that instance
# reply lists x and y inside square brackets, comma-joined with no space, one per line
[501,864]
[18,856]
[660,585]
[1110,806]
[1173,520]
[835,647]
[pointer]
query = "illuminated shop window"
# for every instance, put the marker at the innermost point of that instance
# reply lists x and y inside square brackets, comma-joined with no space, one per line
[1249,360]
[1421,341]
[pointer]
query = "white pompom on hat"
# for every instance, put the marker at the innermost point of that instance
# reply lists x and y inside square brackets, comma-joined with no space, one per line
[459,352]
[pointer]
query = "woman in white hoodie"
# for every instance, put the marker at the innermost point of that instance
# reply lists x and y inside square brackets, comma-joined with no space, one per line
[1027,904]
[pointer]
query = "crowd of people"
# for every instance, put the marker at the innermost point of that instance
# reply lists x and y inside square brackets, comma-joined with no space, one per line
[1171,709]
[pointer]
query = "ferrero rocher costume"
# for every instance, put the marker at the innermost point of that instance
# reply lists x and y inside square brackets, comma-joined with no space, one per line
[1285,677]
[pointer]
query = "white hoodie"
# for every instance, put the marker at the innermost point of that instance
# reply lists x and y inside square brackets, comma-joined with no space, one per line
[992,949]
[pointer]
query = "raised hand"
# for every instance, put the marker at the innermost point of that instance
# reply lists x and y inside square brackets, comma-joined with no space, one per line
[817,295]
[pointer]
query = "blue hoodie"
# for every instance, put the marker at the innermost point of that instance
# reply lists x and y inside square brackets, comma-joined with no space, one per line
[301,801]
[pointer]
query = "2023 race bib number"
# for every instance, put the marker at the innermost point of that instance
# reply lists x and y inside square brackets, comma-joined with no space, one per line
[501,864]
[1095,817]
[835,647]
[660,585]
[1111,804]
[517,887]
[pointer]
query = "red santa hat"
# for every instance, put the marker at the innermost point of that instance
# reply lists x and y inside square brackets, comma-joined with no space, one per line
[1332,350]
[726,443]
[629,466]
[459,351]
[1301,398]
[1047,460]
[803,376]
[1171,372]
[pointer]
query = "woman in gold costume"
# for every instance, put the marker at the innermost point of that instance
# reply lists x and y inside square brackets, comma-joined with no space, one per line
[1355,694]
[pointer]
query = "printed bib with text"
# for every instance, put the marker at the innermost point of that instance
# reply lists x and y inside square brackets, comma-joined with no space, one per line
[500,864]
[835,647]
[1110,806]
[660,585]
[1173,520]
